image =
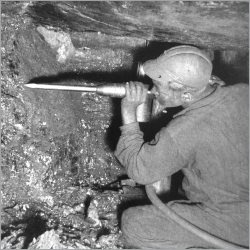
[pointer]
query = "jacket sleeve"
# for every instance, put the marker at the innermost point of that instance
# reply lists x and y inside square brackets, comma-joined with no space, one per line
[147,162]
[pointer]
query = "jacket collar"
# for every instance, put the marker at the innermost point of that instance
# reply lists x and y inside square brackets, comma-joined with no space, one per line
[214,95]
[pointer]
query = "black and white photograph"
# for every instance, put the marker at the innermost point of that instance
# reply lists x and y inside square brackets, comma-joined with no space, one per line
[124,124]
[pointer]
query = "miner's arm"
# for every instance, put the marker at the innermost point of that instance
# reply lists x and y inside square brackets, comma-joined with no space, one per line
[145,162]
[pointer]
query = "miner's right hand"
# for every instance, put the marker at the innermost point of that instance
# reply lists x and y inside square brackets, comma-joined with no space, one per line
[136,94]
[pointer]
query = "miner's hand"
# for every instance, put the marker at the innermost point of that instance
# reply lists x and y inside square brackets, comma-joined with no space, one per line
[136,94]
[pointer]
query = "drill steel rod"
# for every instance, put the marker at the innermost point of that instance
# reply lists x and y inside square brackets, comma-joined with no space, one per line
[61,87]
[112,90]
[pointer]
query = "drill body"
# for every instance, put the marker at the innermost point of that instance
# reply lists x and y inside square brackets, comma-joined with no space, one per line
[116,90]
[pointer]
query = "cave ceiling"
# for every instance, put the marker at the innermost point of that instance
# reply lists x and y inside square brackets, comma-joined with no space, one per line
[221,25]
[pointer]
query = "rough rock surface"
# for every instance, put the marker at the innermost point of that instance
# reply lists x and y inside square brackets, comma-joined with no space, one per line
[57,146]
[215,24]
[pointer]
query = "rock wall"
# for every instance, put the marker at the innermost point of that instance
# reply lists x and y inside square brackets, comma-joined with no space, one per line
[57,146]
[217,25]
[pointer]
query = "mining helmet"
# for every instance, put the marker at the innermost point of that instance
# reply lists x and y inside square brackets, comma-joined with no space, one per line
[186,65]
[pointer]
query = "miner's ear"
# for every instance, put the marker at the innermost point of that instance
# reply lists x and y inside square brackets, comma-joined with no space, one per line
[187,97]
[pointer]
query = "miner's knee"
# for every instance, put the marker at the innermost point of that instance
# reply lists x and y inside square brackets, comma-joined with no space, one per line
[128,221]
[129,226]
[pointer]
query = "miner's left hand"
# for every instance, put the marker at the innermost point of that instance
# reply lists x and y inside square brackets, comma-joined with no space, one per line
[136,94]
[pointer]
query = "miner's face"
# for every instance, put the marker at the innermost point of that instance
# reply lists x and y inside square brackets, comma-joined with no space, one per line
[166,96]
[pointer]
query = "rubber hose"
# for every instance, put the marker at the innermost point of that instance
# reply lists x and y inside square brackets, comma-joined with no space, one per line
[214,241]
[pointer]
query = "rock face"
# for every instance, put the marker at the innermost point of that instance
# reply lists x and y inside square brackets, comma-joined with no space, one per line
[213,24]
[57,146]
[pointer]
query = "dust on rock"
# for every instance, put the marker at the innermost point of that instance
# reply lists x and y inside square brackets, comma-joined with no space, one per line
[55,145]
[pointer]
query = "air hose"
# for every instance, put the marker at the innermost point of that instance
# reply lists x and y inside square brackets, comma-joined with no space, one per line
[214,241]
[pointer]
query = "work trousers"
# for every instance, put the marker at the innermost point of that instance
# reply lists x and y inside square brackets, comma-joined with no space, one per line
[147,227]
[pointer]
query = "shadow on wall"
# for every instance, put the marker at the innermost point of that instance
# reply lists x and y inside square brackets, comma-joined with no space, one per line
[231,66]
[73,78]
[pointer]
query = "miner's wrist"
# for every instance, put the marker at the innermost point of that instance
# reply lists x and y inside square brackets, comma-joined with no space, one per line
[128,117]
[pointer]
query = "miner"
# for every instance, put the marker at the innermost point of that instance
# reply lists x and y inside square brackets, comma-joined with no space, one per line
[207,141]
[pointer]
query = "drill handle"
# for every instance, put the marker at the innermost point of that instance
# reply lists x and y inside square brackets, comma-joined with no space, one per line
[115,90]
[112,90]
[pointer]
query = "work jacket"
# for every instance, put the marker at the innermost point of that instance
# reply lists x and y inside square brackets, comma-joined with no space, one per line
[208,141]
